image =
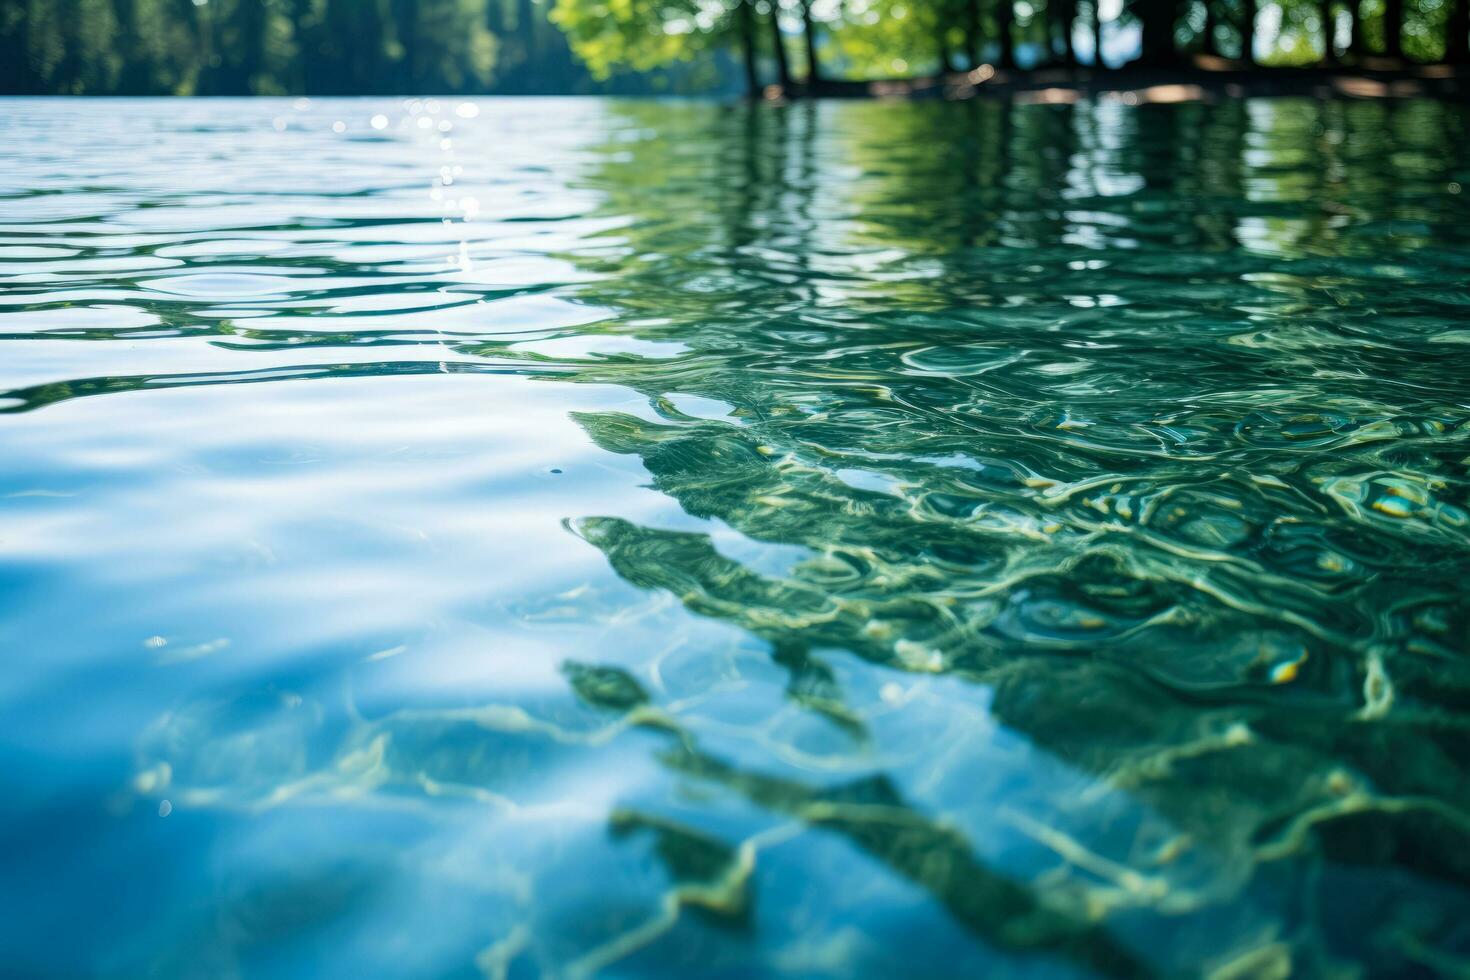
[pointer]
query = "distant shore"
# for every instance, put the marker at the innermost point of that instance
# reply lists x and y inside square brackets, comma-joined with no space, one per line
[1201,79]
[1204,79]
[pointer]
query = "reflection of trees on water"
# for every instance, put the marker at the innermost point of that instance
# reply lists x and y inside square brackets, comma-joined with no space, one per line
[1128,433]
[1197,527]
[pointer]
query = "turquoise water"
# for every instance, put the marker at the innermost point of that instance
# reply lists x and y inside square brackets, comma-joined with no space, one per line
[566,538]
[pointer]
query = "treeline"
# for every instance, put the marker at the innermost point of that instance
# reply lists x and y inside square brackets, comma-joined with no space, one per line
[235,47]
[272,47]
[886,38]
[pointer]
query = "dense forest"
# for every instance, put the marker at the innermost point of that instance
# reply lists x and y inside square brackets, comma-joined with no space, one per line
[274,47]
[231,47]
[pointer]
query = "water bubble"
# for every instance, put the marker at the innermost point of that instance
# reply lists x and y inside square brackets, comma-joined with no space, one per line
[466,110]
[339,126]
[165,808]
[380,121]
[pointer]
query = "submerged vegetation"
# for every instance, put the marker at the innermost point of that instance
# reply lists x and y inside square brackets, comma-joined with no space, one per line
[809,539]
[773,537]
[223,47]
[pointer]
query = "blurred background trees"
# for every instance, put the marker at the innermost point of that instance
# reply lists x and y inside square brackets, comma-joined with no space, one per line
[230,47]
[237,47]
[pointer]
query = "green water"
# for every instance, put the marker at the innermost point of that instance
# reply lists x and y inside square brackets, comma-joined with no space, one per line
[565,538]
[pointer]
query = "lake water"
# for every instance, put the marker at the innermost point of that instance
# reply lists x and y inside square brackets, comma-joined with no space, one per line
[573,537]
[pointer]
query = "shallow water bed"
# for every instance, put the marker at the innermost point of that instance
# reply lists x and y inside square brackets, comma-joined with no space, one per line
[572,537]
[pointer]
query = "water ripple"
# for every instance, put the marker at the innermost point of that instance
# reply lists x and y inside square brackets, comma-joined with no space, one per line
[849,539]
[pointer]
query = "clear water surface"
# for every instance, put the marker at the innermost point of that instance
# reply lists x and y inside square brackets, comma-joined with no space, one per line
[570,538]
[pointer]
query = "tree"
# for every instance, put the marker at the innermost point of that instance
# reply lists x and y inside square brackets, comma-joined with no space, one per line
[1248,12]
[878,38]
[973,35]
[1210,33]
[746,17]
[414,46]
[1357,45]
[238,38]
[445,45]
[352,52]
[609,35]
[778,46]
[16,74]
[1393,28]
[1097,35]
[809,36]
[1457,33]
[1005,24]
[1158,19]
[1060,16]
[943,52]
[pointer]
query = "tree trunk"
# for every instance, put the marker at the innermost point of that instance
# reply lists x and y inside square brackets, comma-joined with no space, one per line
[204,28]
[778,46]
[1097,35]
[1329,30]
[809,32]
[1211,44]
[253,23]
[1457,34]
[1005,19]
[1248,31]
[405,15]
[1393,28]
[1066,19]
[1157,43]
[972,32]
[1356,44]
[17,75]
[747,46]
[133,74]
[946,57]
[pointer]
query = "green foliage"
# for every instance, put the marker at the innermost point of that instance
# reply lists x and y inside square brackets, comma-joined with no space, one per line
[441,45]
[69,41]
[1424,29]
[885,38]
[610,35]
[266,47]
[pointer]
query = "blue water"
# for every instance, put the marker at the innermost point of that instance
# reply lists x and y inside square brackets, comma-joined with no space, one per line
[574,537]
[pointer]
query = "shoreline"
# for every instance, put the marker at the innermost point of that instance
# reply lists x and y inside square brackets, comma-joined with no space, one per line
[1205,79]
[1202,79]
